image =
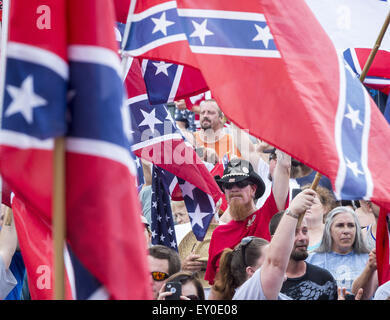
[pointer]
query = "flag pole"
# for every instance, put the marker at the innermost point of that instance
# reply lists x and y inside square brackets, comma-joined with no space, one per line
[375,49]
[125,62]
[59,221]
[3,61]
[363,75]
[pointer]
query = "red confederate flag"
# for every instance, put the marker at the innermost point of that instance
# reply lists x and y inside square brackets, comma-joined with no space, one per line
[66,81]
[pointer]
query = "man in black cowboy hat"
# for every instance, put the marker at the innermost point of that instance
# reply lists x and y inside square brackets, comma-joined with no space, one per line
[242,187]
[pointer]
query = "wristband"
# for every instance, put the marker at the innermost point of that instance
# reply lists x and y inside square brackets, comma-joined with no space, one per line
[289,213]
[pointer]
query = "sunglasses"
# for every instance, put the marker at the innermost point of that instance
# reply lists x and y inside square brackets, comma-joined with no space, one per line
[159,276]
[244,243]
[240,184]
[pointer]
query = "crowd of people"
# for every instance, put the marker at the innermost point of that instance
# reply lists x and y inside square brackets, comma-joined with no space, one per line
[277,239]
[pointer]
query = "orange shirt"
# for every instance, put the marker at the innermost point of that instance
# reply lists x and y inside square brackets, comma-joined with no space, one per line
[223,146]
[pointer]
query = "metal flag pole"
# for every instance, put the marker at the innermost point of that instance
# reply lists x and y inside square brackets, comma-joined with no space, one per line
[363,75]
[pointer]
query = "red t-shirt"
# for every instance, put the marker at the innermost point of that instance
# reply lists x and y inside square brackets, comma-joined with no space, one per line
[230,234]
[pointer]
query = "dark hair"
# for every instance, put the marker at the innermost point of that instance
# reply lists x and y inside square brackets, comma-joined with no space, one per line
[232,268]
[165,253]
[274,222]
[184,277]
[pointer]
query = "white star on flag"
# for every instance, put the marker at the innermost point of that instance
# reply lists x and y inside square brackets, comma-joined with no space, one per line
[170,231]
[173,244]
[353,115]
[24,100]
[187,189]
[201,30]
[161,67]
[263,34]
[154,204]
[161,24]
[154,233]
[149,119]
[354,167]
[162,237]
[197,217]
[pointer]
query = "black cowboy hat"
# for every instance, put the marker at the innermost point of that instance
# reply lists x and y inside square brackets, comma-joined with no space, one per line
[239,170]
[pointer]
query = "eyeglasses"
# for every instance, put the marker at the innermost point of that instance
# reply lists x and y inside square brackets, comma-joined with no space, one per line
[244,243]
[240,184]
[159,276]
[192,297]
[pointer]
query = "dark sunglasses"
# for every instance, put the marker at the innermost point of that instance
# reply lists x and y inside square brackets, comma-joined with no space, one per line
[159,276]
[192,297]
[240,184]
[244,243]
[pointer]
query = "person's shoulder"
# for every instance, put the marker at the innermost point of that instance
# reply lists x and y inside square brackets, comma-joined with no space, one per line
[318,270]
[314,256]
[225,227]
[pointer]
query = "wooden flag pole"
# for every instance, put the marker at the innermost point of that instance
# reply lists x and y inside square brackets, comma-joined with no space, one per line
[375,49]
[367,66]
[59,221]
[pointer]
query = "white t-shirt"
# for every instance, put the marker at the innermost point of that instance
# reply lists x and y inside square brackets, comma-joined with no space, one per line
[251,289]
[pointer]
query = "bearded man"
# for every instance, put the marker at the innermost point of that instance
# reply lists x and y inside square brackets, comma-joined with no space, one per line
[211,135]
[304,281]
[242,187]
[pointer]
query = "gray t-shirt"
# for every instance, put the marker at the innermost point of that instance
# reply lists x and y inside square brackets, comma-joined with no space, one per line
[345,268]
[251,289]
[7,280]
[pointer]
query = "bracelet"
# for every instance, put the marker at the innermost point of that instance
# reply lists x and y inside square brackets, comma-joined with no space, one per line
[289,213]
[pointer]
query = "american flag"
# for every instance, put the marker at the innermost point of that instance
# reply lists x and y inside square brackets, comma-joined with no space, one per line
[200,207]
[163,230]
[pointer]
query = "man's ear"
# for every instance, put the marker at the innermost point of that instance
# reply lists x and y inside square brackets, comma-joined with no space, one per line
[253,188]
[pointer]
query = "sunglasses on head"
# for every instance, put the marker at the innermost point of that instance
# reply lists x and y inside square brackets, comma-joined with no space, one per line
[159,276]
[244,243]
[240,184]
